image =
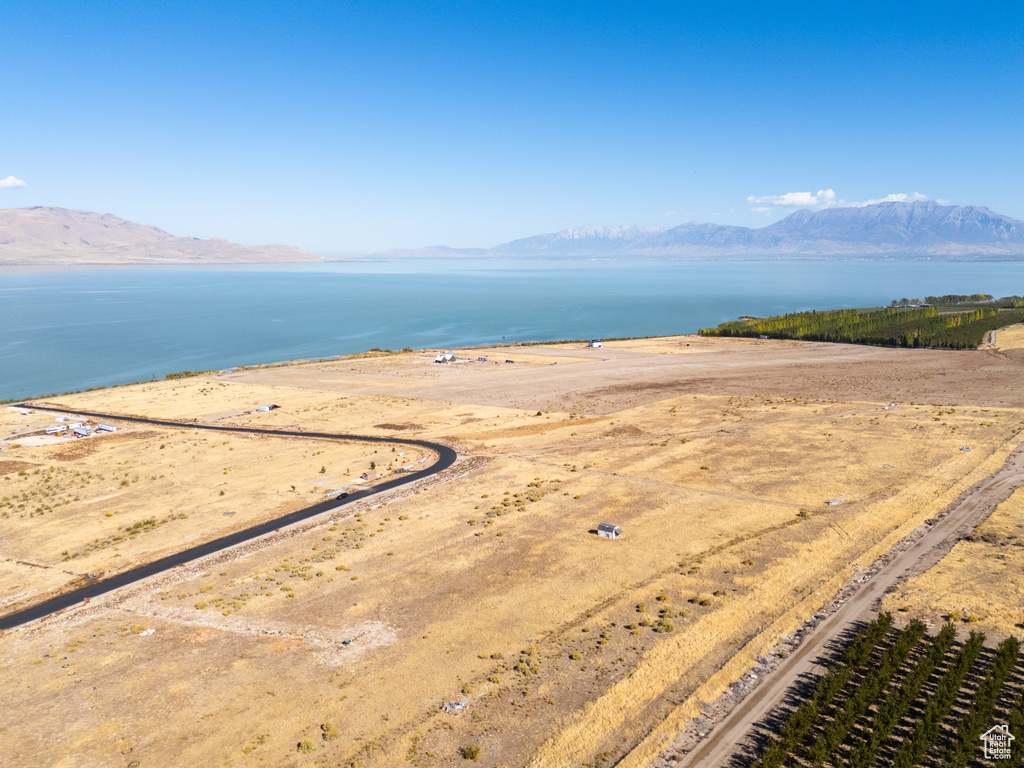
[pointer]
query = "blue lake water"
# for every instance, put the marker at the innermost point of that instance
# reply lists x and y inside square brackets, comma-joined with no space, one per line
[73,329]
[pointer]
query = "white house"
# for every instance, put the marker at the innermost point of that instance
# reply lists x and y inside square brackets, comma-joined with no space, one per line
[445,357]
[608,531]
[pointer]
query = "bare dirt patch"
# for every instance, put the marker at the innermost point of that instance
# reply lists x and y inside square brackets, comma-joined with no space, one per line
[8,467]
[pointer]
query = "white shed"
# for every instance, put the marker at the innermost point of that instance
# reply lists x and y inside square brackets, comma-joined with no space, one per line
[609,530]
[445,357]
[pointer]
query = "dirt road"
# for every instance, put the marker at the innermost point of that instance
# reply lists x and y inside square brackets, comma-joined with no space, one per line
[722,742]
[446,457]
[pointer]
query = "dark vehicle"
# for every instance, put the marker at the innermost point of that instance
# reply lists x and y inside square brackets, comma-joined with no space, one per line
[342,495]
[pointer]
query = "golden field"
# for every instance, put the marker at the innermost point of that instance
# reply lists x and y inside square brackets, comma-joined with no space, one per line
[979,582]
[335,642]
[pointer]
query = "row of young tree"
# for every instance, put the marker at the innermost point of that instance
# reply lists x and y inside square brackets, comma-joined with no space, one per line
[959,299]
[874,682]
[979,718]
[888,715]
[926,729]
[807,715]
[860,701]
[893,327]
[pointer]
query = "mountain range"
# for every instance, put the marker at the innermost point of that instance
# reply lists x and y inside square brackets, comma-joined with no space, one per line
[893,229]
[37,236]
[922,229]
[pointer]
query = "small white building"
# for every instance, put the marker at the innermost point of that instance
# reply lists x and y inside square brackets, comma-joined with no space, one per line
[55,430]
[445,357]
[369,475]
[82,431]
[595,343]
[106,428]
[609,531]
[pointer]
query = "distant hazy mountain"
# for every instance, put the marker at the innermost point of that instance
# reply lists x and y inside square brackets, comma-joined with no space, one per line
[39,236]
[897,229]
[430,252]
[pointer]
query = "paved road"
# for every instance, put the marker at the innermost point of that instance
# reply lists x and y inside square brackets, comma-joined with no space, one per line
[447,457]
[723,741]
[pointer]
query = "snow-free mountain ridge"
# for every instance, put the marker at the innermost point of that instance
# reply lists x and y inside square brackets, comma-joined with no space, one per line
[38,236]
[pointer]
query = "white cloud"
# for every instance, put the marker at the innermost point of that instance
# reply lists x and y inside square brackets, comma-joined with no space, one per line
[669,213]
[895,197]
[826,198]
[823,199]
[10,181]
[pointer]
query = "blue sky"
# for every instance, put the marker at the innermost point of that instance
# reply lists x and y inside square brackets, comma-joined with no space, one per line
[343,127]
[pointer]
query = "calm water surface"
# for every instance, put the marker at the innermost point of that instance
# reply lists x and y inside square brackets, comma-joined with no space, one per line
[73,329]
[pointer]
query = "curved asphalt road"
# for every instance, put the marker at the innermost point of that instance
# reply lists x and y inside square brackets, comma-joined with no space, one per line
[447,457]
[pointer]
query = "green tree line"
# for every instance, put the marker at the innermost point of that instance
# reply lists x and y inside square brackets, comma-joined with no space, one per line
[890,327]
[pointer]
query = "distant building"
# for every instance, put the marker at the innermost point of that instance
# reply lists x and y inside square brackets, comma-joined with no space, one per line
[595,343]
[609,531]
[369,475]
[445,357]
[265,408]
[106,428]
[55,430]
[82,431]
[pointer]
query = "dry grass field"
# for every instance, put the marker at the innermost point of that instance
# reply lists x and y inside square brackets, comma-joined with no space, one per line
[979,582]
[1011,337]
[336,642]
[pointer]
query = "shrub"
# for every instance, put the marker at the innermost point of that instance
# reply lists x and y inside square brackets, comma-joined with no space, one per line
[305,747]
[471,751]
[329,731]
